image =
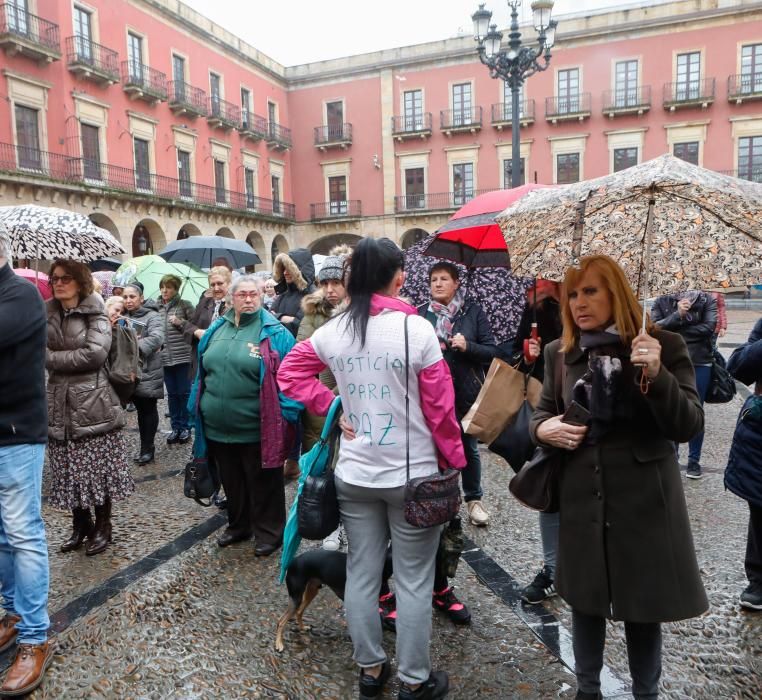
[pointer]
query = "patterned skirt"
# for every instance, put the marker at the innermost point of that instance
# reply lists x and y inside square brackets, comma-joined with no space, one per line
[85,472]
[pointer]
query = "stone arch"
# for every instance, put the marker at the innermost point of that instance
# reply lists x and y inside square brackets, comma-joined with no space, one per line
[225,232]
[105,222]
[279,245]
[413,236]
[188,230]
[148,238]
[322,246]
[255,240]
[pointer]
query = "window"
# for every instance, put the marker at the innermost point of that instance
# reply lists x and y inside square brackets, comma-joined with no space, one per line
[215,93]
[461,104]
[508,169]
[508,101]
[91,152]
[688,151]
[626,84]
[688,85]
[337,194]
[219,182]
[17,16]
[83,35]
[135,57]
[750,158]
[751,68]
[272,120]
[178,75]
[28,138]
[184,173]
[568,91]
[245,107]
[625,158]
[248,183]
[275,180]
[334,114]
[415,194]
[462,183]
[142,164]
[413,110]
[567,168]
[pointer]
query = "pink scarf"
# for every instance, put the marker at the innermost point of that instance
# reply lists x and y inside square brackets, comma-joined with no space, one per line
[379,303]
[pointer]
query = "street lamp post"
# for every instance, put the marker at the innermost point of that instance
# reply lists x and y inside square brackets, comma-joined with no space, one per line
[515,63]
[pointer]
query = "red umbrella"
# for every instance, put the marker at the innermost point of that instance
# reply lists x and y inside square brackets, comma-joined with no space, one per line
[38,279]
[472,237]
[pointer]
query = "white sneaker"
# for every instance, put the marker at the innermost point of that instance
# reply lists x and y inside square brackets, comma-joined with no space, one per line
[333,542]
[477,514]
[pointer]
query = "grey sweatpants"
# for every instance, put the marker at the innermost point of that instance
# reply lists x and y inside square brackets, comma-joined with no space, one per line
[369,515]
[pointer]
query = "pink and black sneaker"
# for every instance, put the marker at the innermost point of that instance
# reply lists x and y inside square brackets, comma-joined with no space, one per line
[387,609]
[447,602]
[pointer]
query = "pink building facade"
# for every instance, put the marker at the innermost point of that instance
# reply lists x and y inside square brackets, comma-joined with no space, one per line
[160,124]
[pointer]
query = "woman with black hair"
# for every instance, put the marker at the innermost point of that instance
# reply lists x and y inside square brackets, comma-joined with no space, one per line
[365,349]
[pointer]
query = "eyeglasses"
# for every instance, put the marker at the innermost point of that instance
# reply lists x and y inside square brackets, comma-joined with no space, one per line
[63,279]
[246,295]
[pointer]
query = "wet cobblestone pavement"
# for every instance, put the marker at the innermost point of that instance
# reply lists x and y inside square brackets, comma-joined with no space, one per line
[187,619]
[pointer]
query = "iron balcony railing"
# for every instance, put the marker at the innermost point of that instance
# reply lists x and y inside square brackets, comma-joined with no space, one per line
[503,111]
[193,99]
[568,105]
[333,133]
[754,174]
[278,135]
[253,124]
[627,99]
[144,78]
[55,166]
[462,118]
[226,112]
[436,201]
[16,21]
[689,91]
[339,208]
[744,85]
[411,123]
[84,52]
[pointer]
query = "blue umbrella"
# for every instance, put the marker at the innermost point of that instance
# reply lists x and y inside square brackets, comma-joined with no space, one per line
[313,463]
[202,250]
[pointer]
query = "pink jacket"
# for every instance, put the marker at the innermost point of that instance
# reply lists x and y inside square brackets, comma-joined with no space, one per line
[297,378]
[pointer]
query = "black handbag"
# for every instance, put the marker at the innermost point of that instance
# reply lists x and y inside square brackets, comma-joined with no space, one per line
[198,481]
[514,444]
[722,386]
[429,500]
[317,514]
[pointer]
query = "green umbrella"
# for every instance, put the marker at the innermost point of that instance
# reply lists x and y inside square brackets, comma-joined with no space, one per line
[149,269]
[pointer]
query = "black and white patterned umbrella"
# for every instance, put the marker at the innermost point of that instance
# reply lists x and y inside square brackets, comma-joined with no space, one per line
[46,233]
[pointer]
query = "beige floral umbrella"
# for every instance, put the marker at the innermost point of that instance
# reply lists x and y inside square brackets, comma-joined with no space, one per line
[671,225]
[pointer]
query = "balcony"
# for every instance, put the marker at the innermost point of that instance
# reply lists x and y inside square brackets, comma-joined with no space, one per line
[24,33]
[745,88]
[568,108]
[30,162]
[631,101]
[502,114]
[414,126]
[142,82]
[92,61]
[458,121]
[342,209]
[186,100]
[441,201]
[753,174]
[333,136]
[252,126]
[686,94]
[223,114]
[278,137]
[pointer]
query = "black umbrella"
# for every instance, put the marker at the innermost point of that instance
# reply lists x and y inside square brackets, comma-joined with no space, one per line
[105,265]
[202,250]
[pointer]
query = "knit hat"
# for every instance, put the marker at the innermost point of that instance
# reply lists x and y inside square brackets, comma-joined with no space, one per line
[332,269]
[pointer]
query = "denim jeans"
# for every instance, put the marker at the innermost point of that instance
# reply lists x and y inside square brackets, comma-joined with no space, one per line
[24,572]
[178,383]
[472,474]
[703,377]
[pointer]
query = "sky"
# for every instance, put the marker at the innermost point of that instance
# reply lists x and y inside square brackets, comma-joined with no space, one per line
[302,31]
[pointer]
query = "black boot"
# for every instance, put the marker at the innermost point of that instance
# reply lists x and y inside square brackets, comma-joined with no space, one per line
[146,456]
[101,536]
[82,527]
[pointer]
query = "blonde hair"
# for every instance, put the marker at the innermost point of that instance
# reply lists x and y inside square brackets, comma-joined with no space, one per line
[626,311]
[220,271]
[111,301]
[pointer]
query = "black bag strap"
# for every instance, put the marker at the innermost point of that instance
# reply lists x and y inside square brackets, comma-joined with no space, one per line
[407,404]
[559,379]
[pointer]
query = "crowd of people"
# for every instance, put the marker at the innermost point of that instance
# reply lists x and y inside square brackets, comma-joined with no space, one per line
[251,368]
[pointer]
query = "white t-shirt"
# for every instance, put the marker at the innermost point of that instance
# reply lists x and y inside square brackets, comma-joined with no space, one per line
[371,383]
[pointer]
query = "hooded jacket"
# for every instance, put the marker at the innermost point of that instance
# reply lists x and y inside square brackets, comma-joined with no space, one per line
[81,401]
[148,326]
[697,327]
[175,350]
[289,300]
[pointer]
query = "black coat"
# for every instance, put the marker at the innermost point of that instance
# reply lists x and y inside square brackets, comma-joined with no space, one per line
[548,319]
[23,340]
[697,328]
[200,319]
[290,295]
[468,367]
[743,475]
